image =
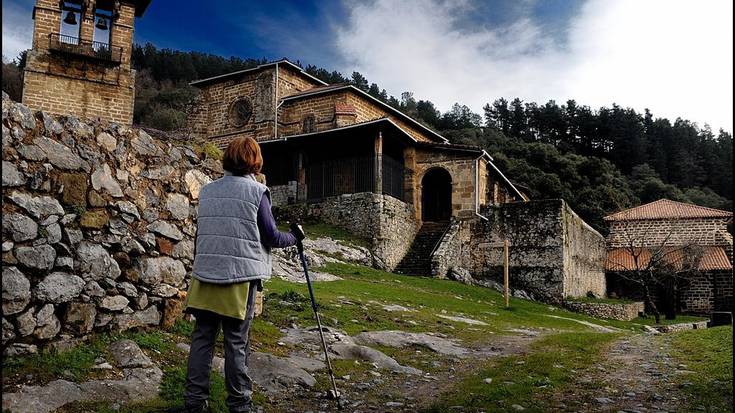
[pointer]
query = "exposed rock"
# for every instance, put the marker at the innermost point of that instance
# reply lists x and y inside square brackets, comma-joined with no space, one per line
[358,352]
[148,317]
[16,291]
[42,399]
[127,207]
[8,331]
[41,257]
[463,320]
[20,227]
[47,327]
[127,289]
[178,206]
[94,199]
[163,173]
[38,207]
[158,270]
[95,262]
[107,141]
[166,229]
[102,179]
[74,236]
[11,175]
[114,303]
[173,309]
[80,317]
[93,289]
[195,180]
[19,113]
[74,188]
[50,125]
[164,290]
[59,155]
[400,339]
[59,287]
[53,233]
[31,152]
[143,145]
[183,249]
[128,354]
[26,322]
[94,219]
[20,349]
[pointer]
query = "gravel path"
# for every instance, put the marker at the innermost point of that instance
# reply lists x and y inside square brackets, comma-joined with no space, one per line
[639,375]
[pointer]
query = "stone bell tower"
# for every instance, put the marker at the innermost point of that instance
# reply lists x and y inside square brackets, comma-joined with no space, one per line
[80,59]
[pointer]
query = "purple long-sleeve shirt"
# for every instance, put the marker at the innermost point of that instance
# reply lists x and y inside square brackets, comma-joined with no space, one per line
[270,236]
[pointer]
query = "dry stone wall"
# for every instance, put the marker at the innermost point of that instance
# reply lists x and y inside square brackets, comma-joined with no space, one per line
[388,223]
[553,253]
[98,226]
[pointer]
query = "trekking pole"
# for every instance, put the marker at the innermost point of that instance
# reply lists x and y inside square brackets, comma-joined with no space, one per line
[300,246]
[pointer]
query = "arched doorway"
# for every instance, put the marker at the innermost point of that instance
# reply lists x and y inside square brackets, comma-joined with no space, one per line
[436,195]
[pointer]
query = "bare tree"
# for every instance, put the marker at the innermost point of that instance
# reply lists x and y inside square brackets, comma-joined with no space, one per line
[654,256]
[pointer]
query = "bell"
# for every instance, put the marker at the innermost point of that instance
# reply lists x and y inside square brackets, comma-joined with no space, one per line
[101,23]
[70,18]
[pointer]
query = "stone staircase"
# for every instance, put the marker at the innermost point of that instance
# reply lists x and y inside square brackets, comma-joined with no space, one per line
[418,258]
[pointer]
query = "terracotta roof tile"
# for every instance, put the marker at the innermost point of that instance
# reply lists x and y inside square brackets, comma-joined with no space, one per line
[667,209]
[621,259]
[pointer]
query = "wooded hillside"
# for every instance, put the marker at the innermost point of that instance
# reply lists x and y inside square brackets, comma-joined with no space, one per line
[598,159]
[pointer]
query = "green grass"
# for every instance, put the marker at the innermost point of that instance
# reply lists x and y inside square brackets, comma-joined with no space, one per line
[49,365]
[527,380]
[428,297]
[321,230]
[708,353]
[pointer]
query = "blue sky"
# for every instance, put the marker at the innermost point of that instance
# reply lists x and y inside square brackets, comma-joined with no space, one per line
[672,56]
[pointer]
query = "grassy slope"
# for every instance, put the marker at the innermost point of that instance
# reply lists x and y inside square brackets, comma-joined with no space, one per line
[708,353]
[355,304]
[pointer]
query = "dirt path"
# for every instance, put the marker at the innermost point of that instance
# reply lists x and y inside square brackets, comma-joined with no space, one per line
[639,375]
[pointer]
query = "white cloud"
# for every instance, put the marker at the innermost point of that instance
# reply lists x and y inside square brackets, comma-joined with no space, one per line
[672,56]
[17,29]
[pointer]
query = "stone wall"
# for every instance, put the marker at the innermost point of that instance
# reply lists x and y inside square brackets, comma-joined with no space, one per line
[656,232]
[98,225]
[448,254]
[584,255]
[63,84]
[615,311]
[387,222]
[553,254]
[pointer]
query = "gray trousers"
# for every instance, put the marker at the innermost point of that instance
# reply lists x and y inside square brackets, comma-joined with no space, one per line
[236,334]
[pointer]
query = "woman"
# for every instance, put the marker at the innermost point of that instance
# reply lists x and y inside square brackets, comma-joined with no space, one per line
[235,232]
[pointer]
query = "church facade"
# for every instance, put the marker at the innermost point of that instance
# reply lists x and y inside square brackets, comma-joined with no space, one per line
[321,141]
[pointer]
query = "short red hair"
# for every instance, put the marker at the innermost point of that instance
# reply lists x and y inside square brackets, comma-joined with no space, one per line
[243,157]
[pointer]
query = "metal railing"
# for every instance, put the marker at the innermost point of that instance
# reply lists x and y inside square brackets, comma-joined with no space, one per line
[79,47]
[353,175]
[393,178]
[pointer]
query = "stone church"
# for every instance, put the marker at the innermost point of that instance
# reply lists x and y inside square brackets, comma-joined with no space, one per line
[332,153]
[323,140]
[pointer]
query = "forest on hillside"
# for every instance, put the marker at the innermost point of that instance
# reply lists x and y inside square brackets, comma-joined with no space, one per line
[598,159]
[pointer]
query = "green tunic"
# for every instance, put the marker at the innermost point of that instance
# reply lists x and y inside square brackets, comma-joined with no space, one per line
[229,300]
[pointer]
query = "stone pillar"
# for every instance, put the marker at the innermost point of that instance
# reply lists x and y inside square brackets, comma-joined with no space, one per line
[409,178]
[300,177]
[378,164]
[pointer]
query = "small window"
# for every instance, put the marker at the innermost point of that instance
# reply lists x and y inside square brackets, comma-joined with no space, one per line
[102,25]
[71,22]
[309,124]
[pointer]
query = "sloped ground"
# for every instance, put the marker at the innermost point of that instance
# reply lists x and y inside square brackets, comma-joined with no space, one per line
[404,343]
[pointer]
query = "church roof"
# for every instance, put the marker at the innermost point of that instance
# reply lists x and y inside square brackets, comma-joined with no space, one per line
[296,68]
[667,209]
[623,259]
